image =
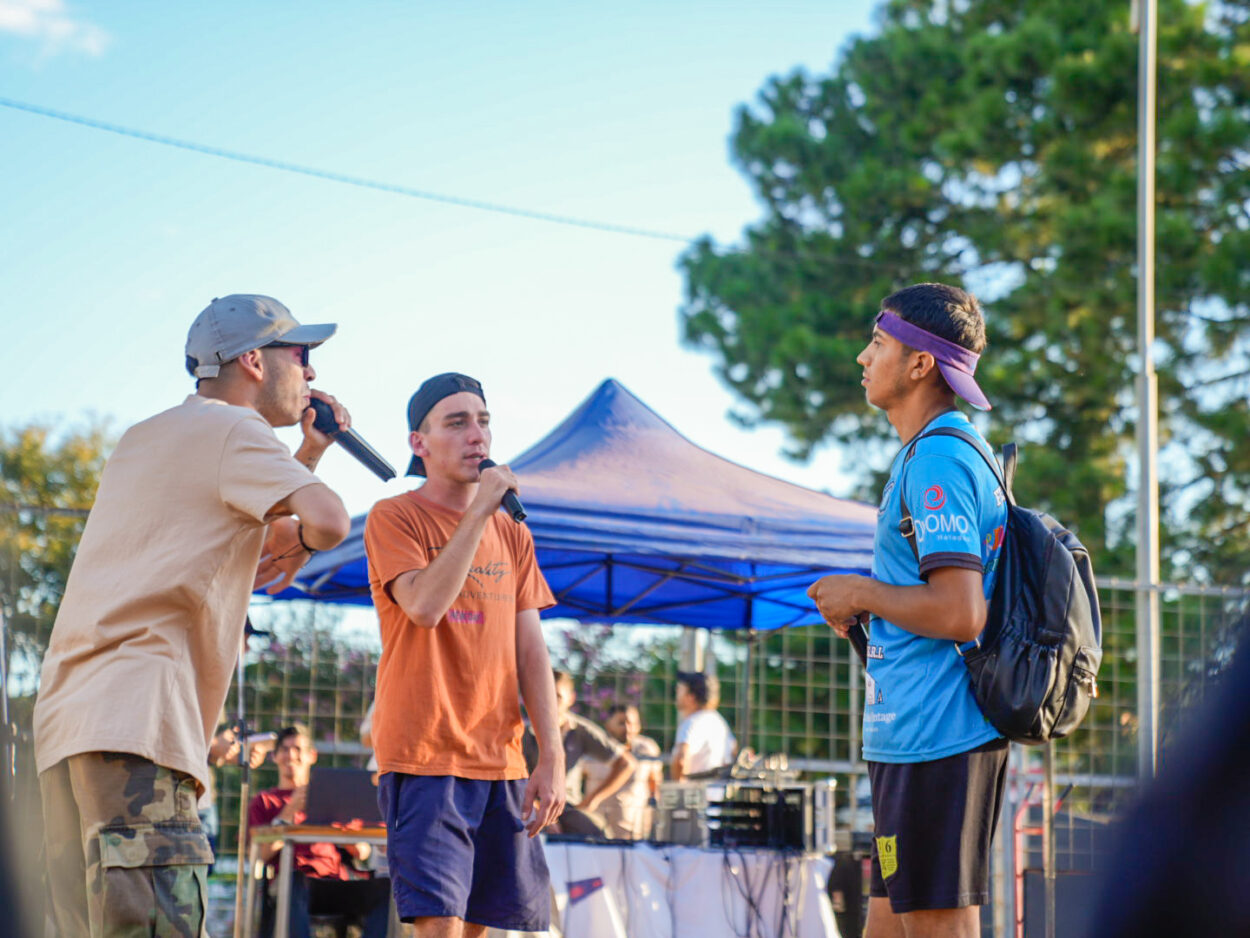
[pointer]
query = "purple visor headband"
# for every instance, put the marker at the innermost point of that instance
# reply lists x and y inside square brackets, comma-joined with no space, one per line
[956,363]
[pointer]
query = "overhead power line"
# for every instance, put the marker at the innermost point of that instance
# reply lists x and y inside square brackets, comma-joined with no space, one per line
[360,181]
[840,261]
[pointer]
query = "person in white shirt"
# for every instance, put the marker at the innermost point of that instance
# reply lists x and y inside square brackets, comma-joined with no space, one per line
[704,740]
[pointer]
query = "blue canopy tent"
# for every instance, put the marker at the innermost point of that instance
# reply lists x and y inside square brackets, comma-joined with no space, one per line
[635,524]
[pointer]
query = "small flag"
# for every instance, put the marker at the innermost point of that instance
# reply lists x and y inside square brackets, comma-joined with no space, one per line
[582,888]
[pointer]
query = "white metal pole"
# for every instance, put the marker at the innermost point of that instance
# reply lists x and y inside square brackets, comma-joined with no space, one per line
[1148,405]
[693,645]
[1048,835]
[243,872]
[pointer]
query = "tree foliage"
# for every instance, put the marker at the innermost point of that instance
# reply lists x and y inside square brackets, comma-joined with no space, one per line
[48,480]
[992,144]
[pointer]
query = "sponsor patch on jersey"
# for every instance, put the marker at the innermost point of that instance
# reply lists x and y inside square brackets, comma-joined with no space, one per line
[994,539]
[887,853]
[934,497]
[941,527]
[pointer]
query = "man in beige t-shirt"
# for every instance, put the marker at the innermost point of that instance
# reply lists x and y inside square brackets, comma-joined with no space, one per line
[196,506]
[626,810]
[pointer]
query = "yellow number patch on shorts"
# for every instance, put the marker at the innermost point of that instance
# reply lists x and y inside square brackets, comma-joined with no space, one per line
[887,853]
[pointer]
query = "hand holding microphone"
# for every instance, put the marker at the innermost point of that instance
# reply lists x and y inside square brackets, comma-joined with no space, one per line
[350,440]
[834,599]
[510,501]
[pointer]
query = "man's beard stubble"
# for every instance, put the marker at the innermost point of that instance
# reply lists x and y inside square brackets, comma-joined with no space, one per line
[278,408]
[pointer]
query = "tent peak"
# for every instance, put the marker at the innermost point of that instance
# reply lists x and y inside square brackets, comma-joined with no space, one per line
[614,451]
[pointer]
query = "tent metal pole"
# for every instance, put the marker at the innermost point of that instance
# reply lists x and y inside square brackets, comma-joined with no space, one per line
[744,719]
[691,658]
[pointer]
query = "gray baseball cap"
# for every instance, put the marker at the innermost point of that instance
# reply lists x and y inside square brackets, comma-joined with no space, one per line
[232,325]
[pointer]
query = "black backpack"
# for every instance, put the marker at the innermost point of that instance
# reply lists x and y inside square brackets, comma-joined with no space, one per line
[1035,665]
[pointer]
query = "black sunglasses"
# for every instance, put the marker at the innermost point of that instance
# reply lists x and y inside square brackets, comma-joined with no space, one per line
[303,350]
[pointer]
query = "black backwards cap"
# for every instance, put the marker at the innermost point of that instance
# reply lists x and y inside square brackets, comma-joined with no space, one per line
[430,393]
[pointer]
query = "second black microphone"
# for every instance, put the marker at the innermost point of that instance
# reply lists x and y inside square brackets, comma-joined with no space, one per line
[510,501]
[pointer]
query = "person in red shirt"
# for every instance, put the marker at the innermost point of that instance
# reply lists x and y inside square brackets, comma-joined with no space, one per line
[322,883]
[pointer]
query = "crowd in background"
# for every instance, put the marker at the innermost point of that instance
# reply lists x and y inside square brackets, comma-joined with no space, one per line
[614,775]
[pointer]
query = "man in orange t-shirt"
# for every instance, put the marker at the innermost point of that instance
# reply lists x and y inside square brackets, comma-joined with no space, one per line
[458,594]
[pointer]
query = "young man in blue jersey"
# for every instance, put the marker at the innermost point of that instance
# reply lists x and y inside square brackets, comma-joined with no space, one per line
[936,764]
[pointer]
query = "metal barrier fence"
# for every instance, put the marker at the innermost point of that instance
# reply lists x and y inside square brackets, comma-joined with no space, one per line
[796,692]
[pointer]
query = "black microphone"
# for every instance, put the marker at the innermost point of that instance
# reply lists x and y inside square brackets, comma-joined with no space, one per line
[350,440]
[858,637]
[510,501]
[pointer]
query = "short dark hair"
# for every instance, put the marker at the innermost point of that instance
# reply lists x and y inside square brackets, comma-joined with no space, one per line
[946,311]
[621,707]
[295,729]
[704,688]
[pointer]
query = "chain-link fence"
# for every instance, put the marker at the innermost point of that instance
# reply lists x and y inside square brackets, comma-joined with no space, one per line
[796,692]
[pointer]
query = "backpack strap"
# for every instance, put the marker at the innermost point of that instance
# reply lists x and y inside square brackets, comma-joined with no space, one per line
[906,526]
[1005,475]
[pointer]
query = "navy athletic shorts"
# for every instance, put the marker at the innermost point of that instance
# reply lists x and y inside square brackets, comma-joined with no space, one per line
[457,848]
[934,822]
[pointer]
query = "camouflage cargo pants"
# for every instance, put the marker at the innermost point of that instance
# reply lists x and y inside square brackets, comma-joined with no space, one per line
[125,852]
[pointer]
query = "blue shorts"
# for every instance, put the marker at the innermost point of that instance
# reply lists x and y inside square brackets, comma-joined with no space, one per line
[457,848]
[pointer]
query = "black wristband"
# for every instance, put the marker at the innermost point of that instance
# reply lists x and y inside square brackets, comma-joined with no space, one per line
[299,532]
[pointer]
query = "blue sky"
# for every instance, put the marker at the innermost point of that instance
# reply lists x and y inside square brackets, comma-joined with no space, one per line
[109,246]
